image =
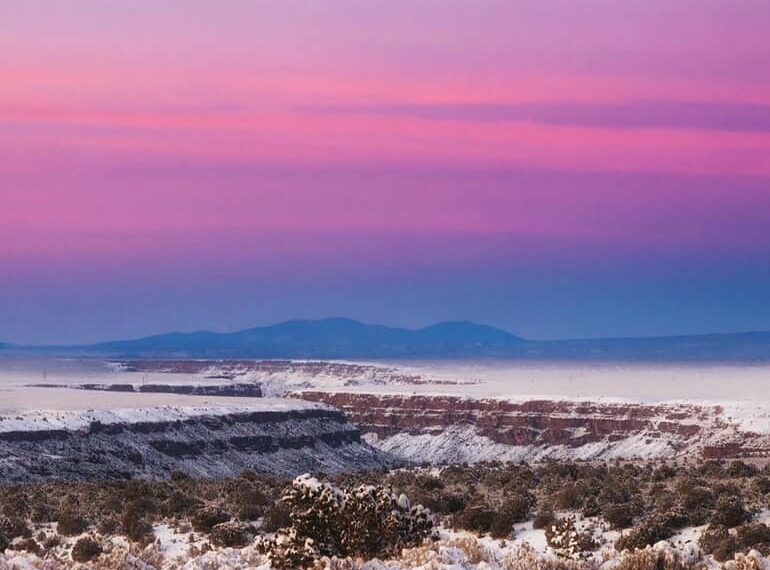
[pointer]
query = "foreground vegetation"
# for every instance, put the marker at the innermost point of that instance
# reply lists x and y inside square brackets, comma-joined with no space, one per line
[589,515]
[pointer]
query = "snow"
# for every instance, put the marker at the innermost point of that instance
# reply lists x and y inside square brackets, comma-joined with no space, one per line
[726,400]
[74,419]
[463,443]
[455,550]
[743,385]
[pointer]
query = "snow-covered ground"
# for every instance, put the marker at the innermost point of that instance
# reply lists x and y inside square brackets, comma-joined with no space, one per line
[110,410]
[649,383]
[177,548]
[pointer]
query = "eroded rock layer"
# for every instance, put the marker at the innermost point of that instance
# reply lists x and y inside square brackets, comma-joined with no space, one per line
[453,428]
[213,444]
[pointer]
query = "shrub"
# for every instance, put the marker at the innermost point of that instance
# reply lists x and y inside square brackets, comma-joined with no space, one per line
[177,476]
[570,497]
[181,503]
[645,534]
[28,545]
[135,526]
[71,523]
[545,517]
[729,511]
[365,521]
[517,506]
[16,504]
[444,502]
[109,525]
[739,468]
[762,485]
[51,541]
[618,515]
[86,549]
[246,499]
[4,542]
[207,518]
[502,525]
[590,507]
[477,518]
[13,527]
[753,536]
[231,535]
[717,541]
[663,473]
[698,502]
[515,509]
[276,517]
[249,475]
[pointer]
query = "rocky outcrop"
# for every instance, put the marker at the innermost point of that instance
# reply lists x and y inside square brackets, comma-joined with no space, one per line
[215,443]
[452,428]
[245,389]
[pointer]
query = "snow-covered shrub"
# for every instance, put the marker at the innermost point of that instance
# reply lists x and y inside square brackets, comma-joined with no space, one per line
[287,550]
[567,541]
[647,533]
[365,521]
[4,542]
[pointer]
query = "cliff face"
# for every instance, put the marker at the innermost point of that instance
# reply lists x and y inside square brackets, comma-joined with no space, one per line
[214,443]
[451,428]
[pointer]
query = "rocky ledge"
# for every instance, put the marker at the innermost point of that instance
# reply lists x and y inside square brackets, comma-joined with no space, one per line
[215,442]
[232,389]
[440,429]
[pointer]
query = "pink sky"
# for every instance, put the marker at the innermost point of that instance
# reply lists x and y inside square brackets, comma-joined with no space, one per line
[245,134]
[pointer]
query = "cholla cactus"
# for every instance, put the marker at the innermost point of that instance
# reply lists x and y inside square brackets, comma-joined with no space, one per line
[567,541]
[365,521]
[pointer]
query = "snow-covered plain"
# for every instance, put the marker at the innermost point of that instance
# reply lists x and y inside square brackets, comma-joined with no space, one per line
[649,383]
[510,380]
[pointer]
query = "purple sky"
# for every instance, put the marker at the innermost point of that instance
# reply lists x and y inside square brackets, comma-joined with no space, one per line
[556,168]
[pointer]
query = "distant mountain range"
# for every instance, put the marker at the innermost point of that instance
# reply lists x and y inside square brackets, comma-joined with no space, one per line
[348,339]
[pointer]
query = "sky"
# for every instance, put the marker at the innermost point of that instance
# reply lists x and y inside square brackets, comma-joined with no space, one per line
[556,168]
